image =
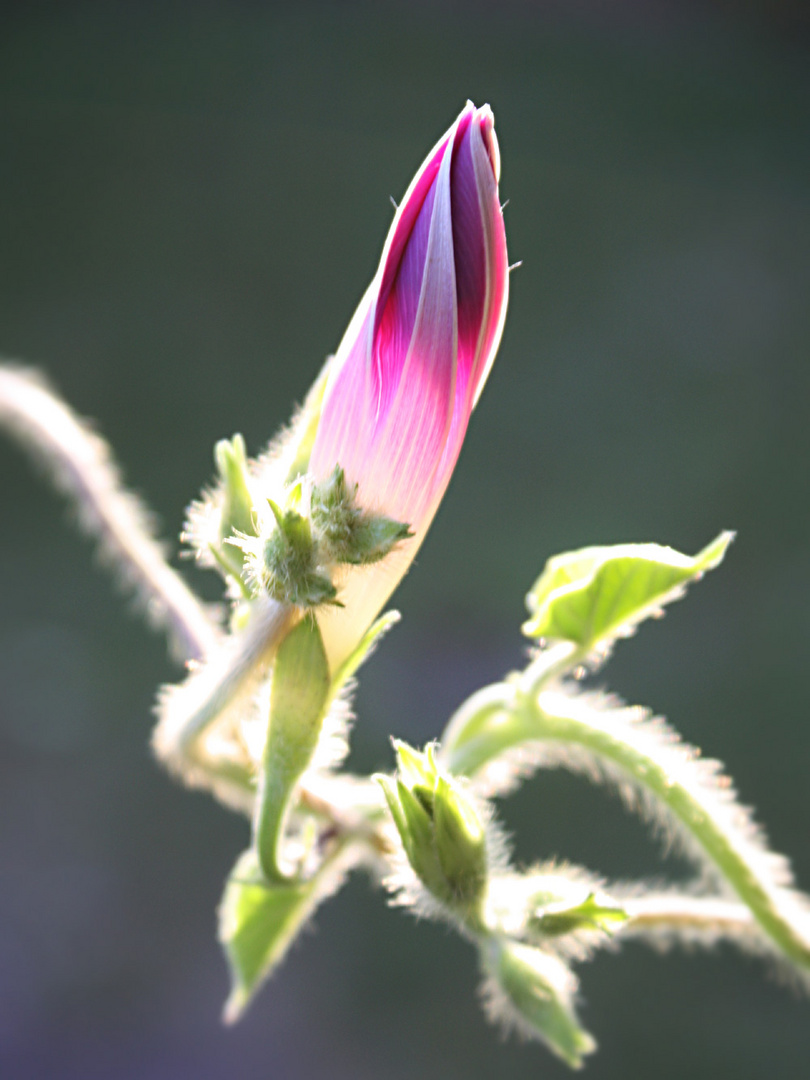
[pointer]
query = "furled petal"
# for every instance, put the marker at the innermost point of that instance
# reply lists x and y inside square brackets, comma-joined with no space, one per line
[415,357]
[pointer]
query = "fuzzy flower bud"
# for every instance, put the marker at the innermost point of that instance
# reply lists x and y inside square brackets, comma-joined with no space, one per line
[440,828]
[534,991]
[415,357]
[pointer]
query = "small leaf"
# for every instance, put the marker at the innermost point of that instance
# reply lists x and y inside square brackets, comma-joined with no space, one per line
[591,914]
[258,922]
[298,698]
[594,595]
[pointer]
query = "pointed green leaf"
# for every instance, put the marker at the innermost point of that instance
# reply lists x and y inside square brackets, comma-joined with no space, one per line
[591,914]
[592,596]
[298,698]
[258,922]
[421,847]
[230,456]
[416,768]
[460,841]
[305,426]
[391,794]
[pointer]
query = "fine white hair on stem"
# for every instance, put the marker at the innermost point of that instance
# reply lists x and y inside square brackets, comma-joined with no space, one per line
[685,797]
[665,918]
[218,692]
[670,917]
[80,464]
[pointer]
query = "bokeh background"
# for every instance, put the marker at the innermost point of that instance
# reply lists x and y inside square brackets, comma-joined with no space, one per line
[192,199]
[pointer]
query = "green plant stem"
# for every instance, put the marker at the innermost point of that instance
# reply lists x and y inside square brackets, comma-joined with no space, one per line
[81,465]
[219,687]
[524,720]
[670,913]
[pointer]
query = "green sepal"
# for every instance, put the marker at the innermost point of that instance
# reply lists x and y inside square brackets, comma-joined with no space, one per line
[346,533]
[305,426]
[299,694]
[537,994]
[290,570]
[389,789]
[374,537]
[591,914]
[237,513]
[416,769]
[460,841]
[420,847]
[594,595]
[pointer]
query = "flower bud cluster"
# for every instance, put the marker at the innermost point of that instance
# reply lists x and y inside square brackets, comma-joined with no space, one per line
[441,830]
[291,552]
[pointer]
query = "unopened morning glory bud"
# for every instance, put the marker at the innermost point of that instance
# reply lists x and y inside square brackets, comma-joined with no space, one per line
[440,828]
[415,357]
[534,991]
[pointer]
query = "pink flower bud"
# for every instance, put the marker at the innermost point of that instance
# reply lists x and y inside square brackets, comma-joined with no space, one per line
[416,355]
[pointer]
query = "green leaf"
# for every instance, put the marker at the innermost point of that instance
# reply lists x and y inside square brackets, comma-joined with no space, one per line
[299,696]
[230,456]
[594,595]
[305,427]
[258,922]
[591,914]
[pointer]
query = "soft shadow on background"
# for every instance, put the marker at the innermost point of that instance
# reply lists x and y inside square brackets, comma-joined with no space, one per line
[193,200]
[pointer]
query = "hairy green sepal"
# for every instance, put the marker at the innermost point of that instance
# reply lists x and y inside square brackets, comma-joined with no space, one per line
[346,533]
[291,571]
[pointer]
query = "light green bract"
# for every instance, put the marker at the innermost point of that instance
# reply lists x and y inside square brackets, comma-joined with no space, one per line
[258,921]
[298,699]
[596,594]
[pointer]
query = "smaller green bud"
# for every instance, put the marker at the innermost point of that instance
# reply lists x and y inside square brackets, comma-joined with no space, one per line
[347,533]
[289,569]
[535,991]
[440,829]
[237,514]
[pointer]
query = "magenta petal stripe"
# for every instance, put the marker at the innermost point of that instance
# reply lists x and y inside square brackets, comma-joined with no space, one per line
[414,359]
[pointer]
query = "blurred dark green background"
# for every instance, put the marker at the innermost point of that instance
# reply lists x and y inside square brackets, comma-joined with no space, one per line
[192,200]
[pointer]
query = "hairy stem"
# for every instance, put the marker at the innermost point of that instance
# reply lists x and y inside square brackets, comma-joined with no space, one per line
[648,764]
[693,916]
[81,465]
